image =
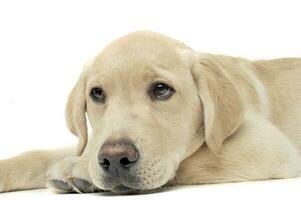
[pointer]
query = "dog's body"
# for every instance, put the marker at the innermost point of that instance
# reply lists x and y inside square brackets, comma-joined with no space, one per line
[229,120]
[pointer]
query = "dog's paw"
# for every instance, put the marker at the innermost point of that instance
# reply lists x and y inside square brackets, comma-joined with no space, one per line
[72,185]
[70,175]
[60,186]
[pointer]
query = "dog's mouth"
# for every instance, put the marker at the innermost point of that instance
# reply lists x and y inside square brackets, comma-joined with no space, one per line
[129,186]
[122,189]
[133,184]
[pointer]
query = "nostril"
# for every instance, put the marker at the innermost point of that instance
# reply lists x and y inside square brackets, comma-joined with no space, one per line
[125,161]
[114,157]
[105,164]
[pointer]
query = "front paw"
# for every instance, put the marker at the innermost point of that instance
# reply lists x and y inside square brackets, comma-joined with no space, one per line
[71,175]
[72,185]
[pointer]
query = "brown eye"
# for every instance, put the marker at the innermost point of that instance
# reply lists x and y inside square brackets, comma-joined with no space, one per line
[161,91]
[97,94]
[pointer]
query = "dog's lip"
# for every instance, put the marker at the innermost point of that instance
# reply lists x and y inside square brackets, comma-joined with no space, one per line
[122,189]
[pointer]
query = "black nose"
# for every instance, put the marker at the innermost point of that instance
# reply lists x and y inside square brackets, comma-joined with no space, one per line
[117,157]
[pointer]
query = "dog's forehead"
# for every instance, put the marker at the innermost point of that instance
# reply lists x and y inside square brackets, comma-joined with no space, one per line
[140,49]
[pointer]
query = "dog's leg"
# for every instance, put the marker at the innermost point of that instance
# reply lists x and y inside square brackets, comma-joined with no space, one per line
[71,175]
[29,170]
[258,150]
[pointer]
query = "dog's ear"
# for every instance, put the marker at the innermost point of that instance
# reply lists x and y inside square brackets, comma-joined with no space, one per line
[76,114]
[223,109]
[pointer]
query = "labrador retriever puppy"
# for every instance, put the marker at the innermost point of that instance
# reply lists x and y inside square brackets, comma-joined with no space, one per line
[164,114]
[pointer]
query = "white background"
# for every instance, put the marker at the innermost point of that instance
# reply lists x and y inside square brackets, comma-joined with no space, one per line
[43,45]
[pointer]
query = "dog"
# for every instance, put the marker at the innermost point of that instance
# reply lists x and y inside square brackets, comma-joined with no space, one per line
[163,114]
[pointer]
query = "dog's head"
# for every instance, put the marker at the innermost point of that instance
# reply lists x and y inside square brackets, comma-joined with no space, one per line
[151,102]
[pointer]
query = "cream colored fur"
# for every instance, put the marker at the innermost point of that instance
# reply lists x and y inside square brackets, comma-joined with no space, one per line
[230,119]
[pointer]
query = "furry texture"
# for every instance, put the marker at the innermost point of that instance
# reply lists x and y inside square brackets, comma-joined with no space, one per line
[230,119]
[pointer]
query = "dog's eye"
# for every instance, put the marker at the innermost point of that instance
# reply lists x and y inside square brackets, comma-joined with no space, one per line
[97,94]
[161,91]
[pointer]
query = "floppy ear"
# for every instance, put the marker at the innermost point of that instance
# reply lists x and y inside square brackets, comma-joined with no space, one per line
[76,114]
[223,109]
